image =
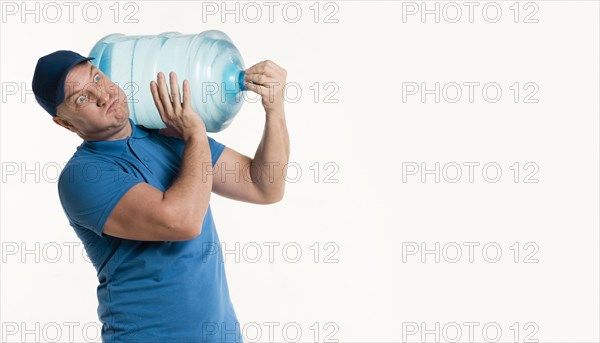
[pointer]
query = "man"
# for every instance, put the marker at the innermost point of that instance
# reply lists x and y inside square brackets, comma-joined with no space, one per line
[139,198]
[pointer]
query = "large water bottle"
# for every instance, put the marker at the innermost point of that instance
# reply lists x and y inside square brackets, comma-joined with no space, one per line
[209,61]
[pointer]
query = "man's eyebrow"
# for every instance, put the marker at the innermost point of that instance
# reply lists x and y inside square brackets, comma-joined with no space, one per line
[92,68]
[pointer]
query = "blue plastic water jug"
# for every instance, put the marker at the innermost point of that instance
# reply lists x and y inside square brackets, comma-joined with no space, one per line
[209,61]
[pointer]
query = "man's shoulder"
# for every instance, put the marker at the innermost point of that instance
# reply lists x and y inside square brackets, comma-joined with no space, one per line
[82,157]
[85,163]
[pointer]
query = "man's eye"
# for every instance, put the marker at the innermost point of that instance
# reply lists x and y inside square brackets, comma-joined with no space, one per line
[80,99]
[97,77]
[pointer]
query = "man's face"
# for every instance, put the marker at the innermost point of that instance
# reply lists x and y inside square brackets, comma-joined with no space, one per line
[94,107]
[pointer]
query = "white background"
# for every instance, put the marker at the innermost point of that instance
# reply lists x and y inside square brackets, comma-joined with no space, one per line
[367,133]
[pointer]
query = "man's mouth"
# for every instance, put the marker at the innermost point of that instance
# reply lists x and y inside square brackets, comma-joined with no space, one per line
[112,106]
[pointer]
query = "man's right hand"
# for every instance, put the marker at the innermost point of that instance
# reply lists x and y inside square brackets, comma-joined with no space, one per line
[181,119]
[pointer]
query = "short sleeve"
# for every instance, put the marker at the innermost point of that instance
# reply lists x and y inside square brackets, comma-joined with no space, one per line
[178,145]
[216,149]
[90,189]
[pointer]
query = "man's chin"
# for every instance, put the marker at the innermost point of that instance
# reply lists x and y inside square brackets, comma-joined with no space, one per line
[123,116]
[119,115]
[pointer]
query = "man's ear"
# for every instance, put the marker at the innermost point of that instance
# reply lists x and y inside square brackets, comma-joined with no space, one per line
[64,123]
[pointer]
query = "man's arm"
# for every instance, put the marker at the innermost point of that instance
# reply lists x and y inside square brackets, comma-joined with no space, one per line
[144,212]
[260,180]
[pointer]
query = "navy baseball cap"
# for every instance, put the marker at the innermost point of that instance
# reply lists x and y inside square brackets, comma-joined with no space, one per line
[49,78]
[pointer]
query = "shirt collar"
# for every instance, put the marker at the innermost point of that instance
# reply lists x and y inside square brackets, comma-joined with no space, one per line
[138,131]
[116,147]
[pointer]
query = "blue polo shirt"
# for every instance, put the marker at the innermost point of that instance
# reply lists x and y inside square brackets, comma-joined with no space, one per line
[148,291]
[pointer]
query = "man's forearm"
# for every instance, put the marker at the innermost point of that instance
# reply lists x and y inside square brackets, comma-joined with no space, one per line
[272,157]
[189,195]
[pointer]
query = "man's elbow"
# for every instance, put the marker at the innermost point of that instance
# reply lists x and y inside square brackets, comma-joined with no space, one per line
[178,233]
[192,231]
[193,224]
[188,226]
[272,198]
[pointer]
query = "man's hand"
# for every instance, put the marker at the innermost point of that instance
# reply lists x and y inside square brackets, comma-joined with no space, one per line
[268,80]
[181,119]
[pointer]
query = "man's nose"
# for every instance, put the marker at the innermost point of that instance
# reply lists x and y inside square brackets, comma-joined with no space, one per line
[103,96]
